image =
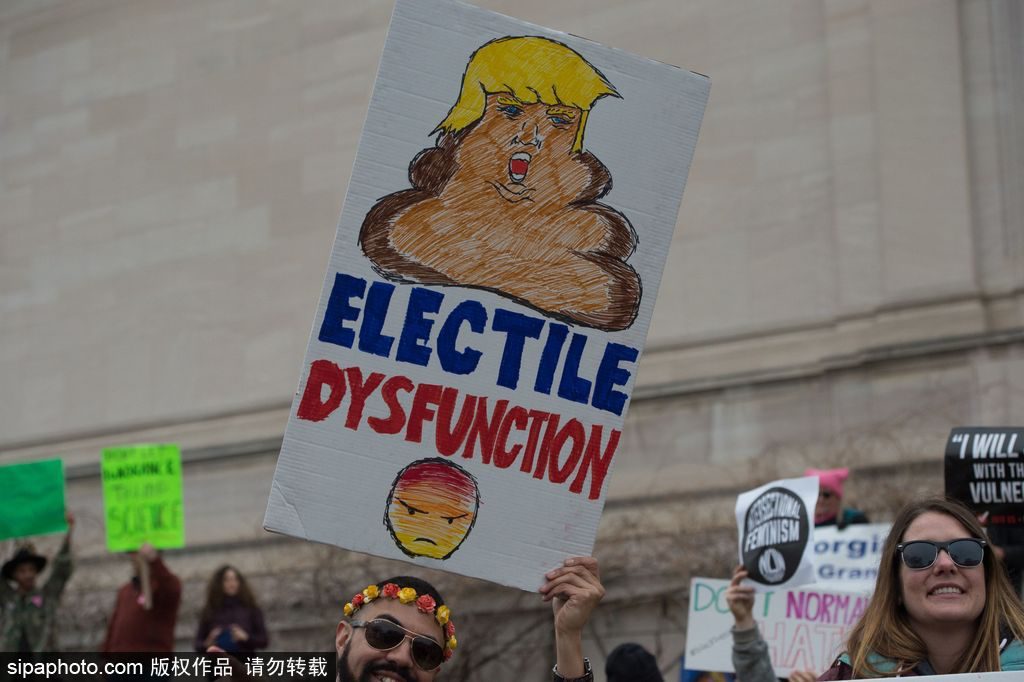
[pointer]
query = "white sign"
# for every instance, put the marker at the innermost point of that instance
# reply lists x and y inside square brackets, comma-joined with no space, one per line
[488,296]
[776,528]
[804,629]
[848,559]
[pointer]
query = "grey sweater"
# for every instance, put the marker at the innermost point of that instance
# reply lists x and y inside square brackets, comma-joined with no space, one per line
[750,656]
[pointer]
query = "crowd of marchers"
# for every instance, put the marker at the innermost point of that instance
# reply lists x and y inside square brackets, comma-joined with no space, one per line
[946,600]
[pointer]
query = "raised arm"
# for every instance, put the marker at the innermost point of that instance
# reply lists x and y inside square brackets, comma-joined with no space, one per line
[574,590]
[62,565]
[749,650]
[166,586]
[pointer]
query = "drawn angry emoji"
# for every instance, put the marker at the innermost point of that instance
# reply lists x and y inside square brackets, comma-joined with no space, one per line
[431,508]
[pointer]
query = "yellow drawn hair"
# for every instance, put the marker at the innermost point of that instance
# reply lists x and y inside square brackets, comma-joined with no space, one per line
[532,69]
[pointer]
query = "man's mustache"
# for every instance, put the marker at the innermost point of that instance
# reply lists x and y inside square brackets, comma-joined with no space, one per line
[391,667]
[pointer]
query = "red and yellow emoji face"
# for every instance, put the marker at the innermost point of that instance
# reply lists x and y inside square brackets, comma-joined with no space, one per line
[432,508]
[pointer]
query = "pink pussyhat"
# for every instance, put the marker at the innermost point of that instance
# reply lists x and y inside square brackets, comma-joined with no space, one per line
[830,479]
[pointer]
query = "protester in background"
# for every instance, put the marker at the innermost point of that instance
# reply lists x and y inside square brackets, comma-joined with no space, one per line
[146,607]
[231,620]
[371,641]
[631,663]
[829,511]
[29,612]
[942,603]
[1008,544]
[750,657]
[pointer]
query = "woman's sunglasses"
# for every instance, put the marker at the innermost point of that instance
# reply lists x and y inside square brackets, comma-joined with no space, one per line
[921,554]
[384,635]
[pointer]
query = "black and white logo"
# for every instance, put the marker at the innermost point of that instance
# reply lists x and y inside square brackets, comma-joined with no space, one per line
[775,535]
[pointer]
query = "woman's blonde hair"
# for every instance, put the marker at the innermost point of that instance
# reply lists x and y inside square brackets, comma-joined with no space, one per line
[532,69]
[885,629]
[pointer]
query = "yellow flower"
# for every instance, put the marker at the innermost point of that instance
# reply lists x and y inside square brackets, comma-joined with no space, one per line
[371,593]
[349,609]
[452,643]
[442,615]
[407,595]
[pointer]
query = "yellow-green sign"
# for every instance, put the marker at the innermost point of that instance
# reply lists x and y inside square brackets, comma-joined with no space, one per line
[142,497]
[33,495]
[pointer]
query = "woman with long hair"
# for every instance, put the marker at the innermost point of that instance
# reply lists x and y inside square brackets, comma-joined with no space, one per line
[942,603]
[230,618]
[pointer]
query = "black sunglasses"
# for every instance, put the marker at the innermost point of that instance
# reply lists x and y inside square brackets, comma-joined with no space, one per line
[385,635]
[921,554]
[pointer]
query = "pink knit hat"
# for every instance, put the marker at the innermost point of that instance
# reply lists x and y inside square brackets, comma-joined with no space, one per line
[830,479]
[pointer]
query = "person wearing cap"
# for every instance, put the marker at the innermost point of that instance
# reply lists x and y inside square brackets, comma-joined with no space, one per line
[630,662]
[829,511]
[402,629]
[29,611]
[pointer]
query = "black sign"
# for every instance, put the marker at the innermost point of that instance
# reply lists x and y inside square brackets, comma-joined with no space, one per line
[985,471]
[775,533]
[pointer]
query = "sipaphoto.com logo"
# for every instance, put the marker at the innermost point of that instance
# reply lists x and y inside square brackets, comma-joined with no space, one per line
[775,534]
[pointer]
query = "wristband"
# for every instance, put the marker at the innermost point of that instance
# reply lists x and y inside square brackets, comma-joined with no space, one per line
[588,674]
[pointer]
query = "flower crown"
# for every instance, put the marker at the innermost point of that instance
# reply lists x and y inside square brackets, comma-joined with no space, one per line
[407,595]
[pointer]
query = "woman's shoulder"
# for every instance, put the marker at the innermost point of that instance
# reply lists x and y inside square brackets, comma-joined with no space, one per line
[840,670]
[1012,657]
[853,516]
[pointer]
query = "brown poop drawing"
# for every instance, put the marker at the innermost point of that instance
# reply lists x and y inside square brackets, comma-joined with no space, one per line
[507,199]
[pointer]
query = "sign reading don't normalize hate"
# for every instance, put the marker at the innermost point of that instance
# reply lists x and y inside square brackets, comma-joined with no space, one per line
[488,296]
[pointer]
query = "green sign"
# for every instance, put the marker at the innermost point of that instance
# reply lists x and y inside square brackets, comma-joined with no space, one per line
[33,495]
[142,497]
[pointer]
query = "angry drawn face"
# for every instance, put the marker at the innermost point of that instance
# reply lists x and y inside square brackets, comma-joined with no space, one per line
[523,152]
[431,508]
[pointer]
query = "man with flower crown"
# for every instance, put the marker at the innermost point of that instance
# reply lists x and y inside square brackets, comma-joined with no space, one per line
[401,628]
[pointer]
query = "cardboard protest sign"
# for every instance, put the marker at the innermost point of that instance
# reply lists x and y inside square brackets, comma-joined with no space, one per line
[33,499]
[488,296]
[142,497]
[985,471]
[775,532]
[847,559]
[804,629]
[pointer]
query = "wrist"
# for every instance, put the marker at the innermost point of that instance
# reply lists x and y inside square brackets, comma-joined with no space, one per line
[587,676]
[569,633]
[745,634]
[744,623]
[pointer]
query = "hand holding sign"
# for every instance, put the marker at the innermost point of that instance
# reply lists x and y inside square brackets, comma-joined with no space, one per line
[574,590]
[775,532]
[740,599]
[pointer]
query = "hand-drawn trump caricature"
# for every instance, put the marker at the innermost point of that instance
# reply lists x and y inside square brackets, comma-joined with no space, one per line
[507,198]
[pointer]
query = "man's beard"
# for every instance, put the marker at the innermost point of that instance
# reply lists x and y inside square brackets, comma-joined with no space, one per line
[345,673]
